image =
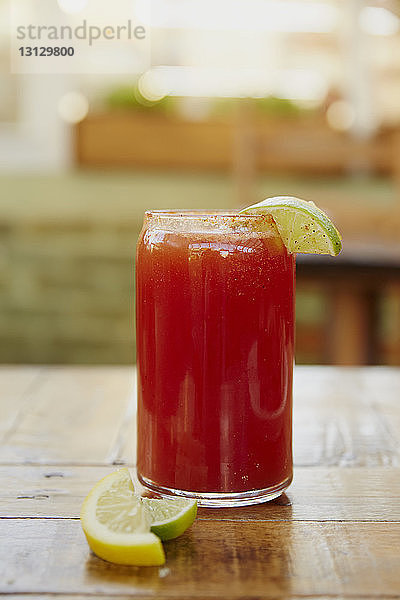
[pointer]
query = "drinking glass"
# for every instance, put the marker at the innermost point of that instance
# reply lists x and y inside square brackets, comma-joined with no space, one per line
[215,343]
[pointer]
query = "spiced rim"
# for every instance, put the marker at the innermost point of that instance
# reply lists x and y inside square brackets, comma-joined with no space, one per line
[210,218]
[206,213]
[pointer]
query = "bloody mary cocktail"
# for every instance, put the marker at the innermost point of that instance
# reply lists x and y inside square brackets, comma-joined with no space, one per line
[215,342]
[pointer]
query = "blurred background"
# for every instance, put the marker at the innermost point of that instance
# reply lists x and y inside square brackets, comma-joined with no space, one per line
[243,99]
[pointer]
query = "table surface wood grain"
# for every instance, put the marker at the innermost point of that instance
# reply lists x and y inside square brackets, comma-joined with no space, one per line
[334,534]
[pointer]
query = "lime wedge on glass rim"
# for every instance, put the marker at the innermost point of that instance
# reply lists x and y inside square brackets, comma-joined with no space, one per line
[302,226]
[125,528]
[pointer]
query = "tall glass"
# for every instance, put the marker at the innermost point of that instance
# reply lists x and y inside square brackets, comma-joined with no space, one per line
[215,342]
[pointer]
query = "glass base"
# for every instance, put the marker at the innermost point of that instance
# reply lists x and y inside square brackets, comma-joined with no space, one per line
[221,500]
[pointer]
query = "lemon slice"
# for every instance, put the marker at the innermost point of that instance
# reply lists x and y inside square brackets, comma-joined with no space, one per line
[117,525]
[302,226]
[170,516]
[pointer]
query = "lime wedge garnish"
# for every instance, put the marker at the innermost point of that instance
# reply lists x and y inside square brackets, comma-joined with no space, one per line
[302,226]
[170,516]
[125,528]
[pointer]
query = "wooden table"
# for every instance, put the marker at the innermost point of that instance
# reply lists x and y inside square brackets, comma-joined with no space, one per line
[335,534]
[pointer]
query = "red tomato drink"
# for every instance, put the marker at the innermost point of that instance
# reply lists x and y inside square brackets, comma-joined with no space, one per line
[215,342]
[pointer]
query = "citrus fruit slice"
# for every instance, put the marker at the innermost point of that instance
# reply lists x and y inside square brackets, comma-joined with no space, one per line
[117,524]
[170,516]
[302,226]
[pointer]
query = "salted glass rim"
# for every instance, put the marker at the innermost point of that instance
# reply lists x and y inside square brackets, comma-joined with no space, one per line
[196,213]
[210,221]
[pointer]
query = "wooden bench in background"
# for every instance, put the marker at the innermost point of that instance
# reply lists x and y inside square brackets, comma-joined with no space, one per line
[355,283]
[303,145]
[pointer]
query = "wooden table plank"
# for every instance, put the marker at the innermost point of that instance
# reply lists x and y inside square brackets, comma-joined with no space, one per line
[78,414]
[346,417]
[342,417]
[16,382]
[320,494]
[336,533]
[234,559]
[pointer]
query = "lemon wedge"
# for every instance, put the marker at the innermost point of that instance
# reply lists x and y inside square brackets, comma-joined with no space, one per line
[125,528]
[117,525]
